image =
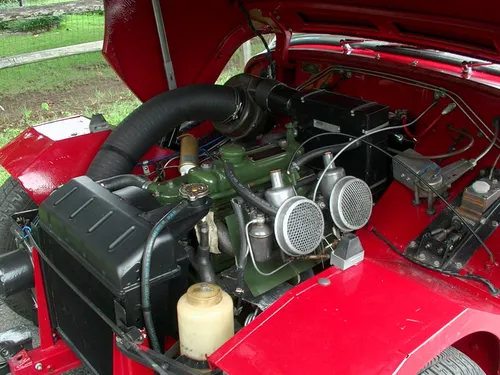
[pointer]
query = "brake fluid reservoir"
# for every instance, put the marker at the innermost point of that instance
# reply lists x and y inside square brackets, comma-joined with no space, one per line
[205,316]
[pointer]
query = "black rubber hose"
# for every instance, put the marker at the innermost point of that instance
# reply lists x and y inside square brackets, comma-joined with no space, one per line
[237,204]
[119,182]
[306,181]
[152,120]
[205,269]
[224,239]
[146,273]
[311,155]
[247,194]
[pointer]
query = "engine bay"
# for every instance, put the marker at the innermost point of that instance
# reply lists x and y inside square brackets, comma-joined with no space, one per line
[201,241]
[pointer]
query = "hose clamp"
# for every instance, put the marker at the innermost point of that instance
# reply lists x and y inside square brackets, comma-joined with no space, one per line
[238,106]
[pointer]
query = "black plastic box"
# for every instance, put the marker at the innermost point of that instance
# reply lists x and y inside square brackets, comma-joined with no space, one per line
[323,111]
[97,238]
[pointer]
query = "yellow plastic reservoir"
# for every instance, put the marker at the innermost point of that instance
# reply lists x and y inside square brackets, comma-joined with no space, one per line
[205,316]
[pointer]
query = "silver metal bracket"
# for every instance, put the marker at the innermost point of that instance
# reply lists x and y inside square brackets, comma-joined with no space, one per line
[167,60]
[348,253]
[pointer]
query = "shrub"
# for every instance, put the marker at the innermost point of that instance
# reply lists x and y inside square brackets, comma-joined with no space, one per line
[34,25]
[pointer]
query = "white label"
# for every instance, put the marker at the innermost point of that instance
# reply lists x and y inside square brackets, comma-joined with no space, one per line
[326,126]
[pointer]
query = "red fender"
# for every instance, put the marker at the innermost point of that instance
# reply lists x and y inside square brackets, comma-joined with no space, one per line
[45,156]
[367,320]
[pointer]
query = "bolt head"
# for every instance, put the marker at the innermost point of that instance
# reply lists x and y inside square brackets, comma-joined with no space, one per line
[323,281]
[459,265]
[421,256]
[494,224]
[436,263]
[38,367]
[283,143]
[413,244]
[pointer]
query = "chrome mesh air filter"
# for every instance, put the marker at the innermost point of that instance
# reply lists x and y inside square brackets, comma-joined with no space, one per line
[299,226]
[351,203]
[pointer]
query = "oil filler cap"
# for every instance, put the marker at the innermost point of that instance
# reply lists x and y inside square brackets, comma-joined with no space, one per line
[193,191]
[481,187]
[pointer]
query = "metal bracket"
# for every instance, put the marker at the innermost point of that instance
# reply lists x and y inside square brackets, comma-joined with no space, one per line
[283,39]
[13,341]
[98,123]
[167,60]
[348,253]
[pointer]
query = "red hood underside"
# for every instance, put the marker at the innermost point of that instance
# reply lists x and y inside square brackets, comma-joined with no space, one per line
[202,35]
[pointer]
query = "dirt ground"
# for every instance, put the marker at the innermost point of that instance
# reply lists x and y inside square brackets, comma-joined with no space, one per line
[24,109]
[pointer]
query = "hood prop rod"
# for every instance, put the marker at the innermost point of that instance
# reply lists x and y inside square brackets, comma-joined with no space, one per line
[165,52]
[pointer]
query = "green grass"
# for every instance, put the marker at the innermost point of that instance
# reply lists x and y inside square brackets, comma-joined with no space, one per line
[5,137]
[34,25]
[63,80]
[74,29]
[116,106]
[62,74]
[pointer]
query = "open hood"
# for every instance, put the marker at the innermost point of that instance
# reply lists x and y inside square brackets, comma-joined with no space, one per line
[202,35]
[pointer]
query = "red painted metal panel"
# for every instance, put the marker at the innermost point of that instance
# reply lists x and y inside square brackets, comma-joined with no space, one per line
[369,320]
[125,366]
[47,335]
[42,163]
[215,29]
[53,356]
[383,316]
[51,361]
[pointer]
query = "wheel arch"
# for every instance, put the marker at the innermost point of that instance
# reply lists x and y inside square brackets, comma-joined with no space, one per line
[483,348]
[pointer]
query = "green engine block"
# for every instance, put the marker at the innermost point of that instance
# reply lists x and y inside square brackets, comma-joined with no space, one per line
[251,167]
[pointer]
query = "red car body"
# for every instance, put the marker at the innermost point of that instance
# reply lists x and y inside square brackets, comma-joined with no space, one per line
[384,316]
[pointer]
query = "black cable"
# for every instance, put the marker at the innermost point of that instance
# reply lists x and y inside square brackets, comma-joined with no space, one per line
[443,156]
[114,327]
[494,167]
[294,155]
[146,272]
[248,195]
[491,288]
[263,40]
[316,153]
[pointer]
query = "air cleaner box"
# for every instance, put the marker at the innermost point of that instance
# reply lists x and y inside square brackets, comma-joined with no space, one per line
[323,111]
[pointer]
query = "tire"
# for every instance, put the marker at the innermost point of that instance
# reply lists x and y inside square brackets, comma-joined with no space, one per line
[14,199]
[452,362]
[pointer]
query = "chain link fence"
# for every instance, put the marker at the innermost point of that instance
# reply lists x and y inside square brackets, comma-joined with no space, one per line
[37,25]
